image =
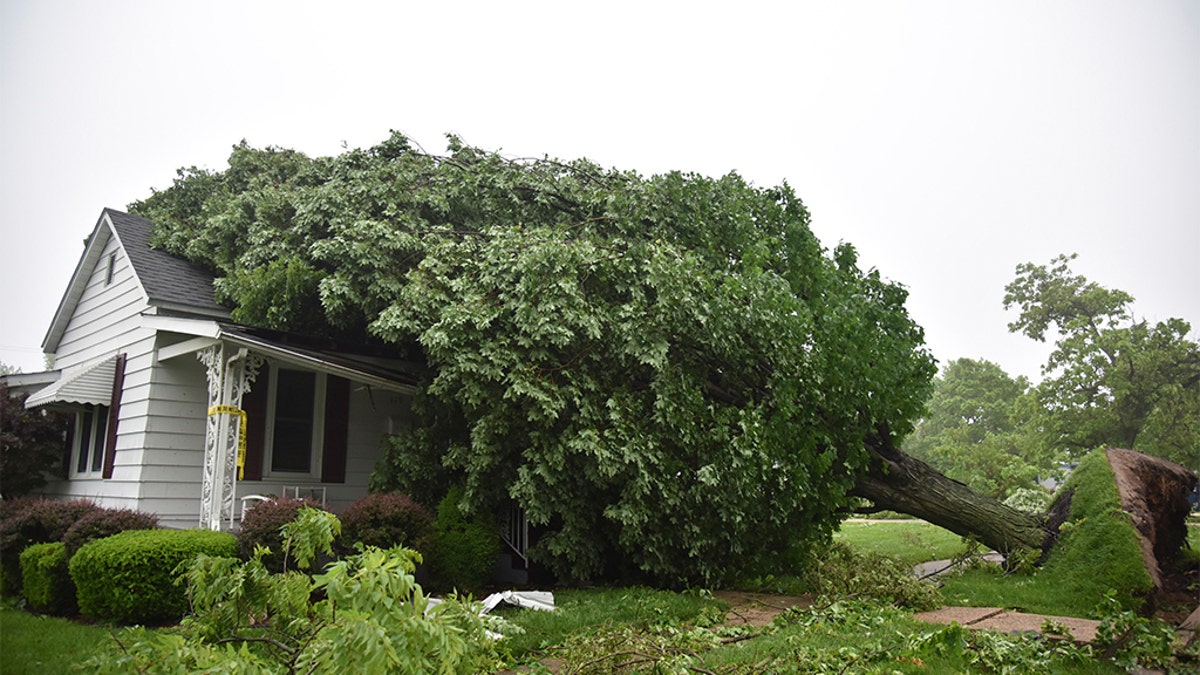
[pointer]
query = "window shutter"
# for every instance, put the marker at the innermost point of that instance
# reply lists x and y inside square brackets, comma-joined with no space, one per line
[254,402]
[337,424]
[114,414]
[67,451]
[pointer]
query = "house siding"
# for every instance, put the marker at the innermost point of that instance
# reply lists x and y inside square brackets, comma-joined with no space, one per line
[159,450]
[106,321]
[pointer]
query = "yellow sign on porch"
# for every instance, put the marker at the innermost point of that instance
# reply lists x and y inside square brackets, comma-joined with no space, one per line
[234,410]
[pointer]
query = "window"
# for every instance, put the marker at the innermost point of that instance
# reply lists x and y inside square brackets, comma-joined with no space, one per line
[295,425]
[91,429]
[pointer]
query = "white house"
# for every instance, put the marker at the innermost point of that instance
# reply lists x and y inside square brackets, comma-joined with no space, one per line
[169,395]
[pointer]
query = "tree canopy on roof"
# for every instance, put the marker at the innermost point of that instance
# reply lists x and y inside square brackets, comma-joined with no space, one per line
[669,373]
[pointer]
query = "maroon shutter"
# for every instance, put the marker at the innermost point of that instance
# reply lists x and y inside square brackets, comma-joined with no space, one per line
[67,451]
[337,424]
[114,415]
[254,402]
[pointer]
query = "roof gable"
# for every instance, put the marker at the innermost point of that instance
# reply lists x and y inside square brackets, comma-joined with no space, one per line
[167,282]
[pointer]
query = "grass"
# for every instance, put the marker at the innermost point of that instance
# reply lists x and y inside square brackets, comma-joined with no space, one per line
[43,644]
[578,610]
[912,541]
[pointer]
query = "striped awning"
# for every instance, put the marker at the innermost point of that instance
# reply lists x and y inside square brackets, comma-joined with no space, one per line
[89,384]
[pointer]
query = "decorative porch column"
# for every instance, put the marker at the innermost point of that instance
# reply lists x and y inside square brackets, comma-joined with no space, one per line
[229,378]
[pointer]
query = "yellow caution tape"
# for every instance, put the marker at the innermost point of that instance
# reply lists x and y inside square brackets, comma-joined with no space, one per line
[234,410]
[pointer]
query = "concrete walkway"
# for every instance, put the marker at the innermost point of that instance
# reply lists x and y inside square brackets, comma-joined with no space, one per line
[936,568]
[1004,621]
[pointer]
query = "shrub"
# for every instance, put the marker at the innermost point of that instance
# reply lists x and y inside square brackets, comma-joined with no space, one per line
[262,526]
[386,519]
[45,578]
[130,577]
[37,521]
[464,550]
[105,523]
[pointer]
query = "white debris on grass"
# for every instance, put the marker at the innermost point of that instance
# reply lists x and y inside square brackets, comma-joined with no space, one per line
[543,601]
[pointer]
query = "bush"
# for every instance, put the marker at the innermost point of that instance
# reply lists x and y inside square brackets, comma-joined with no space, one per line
[130,577]
[105,523]
[464,550]
[46,580]
[262,525]
[386,519]
[37,521]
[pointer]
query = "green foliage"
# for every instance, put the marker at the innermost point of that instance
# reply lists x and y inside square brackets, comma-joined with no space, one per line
[31,445]
[34,521]
[364,614]
[129,577]
[841,571]
[105,523]
[1111,379]
[975,429]
[263,528]
[1133,641]
[669,372]
[384,520]
[1030,500]
[464,549]
[310,534]
[45,579]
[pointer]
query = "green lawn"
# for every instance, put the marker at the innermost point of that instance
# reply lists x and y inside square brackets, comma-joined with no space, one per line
[42,644]
[912,541]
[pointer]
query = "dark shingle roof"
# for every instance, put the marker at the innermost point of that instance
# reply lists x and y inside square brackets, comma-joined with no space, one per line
[166,278]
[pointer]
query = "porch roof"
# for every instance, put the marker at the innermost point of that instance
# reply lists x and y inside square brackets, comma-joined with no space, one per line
[386,373]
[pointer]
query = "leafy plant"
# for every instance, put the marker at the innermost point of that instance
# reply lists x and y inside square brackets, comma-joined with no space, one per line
[31,445]
[841,571]
[46,580]
[384,520]
[35,521]
[1131,640]
[105,523]
[464,550]
[128,577]
[263,528]
[365,613]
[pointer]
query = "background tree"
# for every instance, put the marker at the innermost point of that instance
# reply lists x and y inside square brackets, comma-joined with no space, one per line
[670,374]
[31,445]
[1112,379]
[975,429]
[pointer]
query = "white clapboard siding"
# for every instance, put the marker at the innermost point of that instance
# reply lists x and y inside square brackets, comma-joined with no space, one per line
[107,317]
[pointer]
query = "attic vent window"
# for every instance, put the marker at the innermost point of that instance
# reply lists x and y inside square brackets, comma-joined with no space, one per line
[112,266]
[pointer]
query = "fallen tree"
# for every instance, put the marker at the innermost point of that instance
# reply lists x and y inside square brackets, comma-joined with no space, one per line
[671,375]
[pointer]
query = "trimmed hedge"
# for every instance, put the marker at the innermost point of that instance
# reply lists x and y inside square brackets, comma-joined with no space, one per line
[386,519]
[129,577]
[46,580]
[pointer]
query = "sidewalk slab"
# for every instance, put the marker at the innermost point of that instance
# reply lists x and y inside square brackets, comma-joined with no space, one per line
[1000,620]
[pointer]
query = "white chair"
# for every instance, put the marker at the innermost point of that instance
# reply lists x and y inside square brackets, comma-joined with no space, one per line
[250,500]
[313,492]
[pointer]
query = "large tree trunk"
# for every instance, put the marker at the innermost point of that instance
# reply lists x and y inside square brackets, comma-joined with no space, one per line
[898,482]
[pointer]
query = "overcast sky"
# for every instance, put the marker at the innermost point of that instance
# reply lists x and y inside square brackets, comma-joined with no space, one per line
[948,141]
